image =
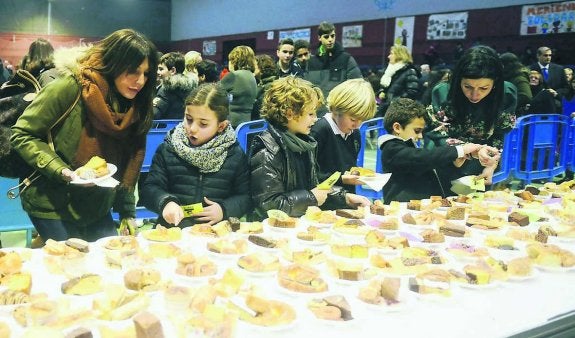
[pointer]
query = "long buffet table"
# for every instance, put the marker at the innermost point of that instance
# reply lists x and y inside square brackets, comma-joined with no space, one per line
[505,308]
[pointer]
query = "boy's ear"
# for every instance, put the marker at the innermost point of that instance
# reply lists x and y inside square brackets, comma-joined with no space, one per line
[173,70]
[397,128]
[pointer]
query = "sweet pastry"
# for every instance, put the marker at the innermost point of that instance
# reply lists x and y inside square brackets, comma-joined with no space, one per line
[122,243]
[163,234]
[5,330]
[414,205]
[518,219]
[350,250]
[378,208]
[94,168]
[350,226]
[315,214]
[78,244]
[229,284]
[301,278]
[390,223]
[144,279]
[87,284]
[259,262]
[432,236]
[360,171]
[250,228]
[453,230]
[455,213]
[435,281]
[500,242]
[118,259]
[477,274]
[266,242]
[148,325]
[521,267]
[228,247]
[263,312]
[525,195]
[351,213]
[10,262]
[418,255]
[331,308]
[305,256]
[421,218]
[520,234]
[375,239]
[280,219]
[117,303]
[20,281]
[11,297]
[164,250]
[313,234]
[54,248]
[550,255]
[379,291]
[80,332]
[192,266]
[466,250]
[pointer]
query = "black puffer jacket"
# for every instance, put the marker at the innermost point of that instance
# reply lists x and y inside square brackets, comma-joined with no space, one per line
[274,181]
[169,102]
[173,179]
[404,83]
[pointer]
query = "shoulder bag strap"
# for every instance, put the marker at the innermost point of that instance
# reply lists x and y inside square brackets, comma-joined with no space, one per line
[14,192]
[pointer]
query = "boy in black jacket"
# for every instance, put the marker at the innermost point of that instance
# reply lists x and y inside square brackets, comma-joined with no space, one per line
[337,135]
[417,173]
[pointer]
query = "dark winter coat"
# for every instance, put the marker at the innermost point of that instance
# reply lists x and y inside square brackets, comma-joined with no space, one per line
[173,179]
[416,173]
[404,83]
[170,101]
[274,180]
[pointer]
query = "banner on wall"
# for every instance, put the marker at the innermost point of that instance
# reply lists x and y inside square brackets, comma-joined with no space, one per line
[209,47]
[352,36]
[548,18]
[296,34]
[404,32]
[447,26]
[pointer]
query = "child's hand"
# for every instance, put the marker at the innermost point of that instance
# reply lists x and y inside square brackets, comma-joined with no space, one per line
[211,214]
[471,148]
[173,213]
[320,195]
[355,201]
[350,179]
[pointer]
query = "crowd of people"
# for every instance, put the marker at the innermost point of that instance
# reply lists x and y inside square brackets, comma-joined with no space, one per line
[313,101]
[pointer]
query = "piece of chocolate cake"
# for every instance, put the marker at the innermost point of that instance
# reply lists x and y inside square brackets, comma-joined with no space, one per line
[452,230]
[518,218]
[234,223]
[263,242]
[533,190]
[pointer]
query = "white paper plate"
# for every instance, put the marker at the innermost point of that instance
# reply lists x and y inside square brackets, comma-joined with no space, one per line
[492,284]
[534,273]
[111,171]
[554,268]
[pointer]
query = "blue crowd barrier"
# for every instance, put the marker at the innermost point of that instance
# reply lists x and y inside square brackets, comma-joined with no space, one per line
[13,217]
[365,129]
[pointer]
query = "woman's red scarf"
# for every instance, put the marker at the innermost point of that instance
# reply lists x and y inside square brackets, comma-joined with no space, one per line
[109,134]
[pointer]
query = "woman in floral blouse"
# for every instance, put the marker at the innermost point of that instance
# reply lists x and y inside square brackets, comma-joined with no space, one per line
[476,105]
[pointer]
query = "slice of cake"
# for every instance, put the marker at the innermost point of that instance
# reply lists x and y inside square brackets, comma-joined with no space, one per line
[148,325]
[518,219]
[456,213]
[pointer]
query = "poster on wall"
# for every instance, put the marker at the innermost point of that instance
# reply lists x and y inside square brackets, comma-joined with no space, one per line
[447,26]
[548,18]
[404,32]
[352,36]
[209,47]
[296,34]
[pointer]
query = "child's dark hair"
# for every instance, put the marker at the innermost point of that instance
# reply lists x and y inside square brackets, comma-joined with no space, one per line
[403,111]
[213,96]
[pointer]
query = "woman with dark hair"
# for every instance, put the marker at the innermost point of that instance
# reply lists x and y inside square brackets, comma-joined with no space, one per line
[515,72]
[208,71]
[108,90]
[40,61]
[476,106]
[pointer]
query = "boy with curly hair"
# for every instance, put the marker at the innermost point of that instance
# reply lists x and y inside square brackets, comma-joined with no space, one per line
[284,171]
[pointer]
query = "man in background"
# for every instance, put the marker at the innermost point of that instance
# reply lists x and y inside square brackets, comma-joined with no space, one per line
[286,65]
[302,53]
[169,102]
[553,75]
[331,65]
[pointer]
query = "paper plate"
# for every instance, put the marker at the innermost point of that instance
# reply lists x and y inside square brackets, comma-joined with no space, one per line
[111,171]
